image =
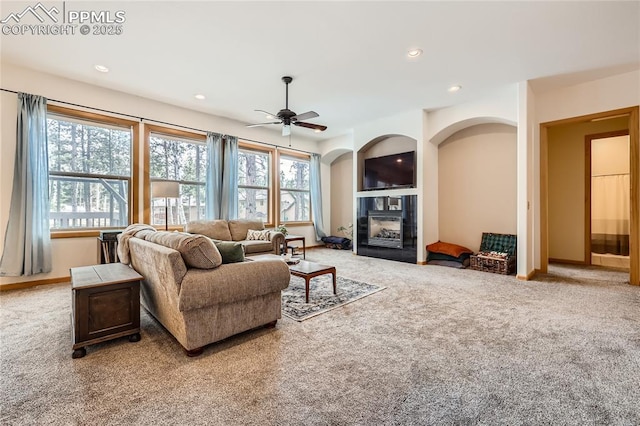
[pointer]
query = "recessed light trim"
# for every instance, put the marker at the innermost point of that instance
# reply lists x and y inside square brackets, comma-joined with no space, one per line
[414,53]
[101,68]
[454,88]
[200,97]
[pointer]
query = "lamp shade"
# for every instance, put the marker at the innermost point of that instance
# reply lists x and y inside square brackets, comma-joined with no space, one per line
[164,189]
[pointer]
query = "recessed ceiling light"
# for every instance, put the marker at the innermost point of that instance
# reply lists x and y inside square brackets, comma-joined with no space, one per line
[414,53]
[101,68]
[455,88]
[199,97]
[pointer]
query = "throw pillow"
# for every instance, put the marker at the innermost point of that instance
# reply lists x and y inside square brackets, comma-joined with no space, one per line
[231,252]
[448,248]
[197,251]
[258,235]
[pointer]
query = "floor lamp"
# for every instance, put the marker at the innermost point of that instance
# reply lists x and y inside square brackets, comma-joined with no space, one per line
[166,190]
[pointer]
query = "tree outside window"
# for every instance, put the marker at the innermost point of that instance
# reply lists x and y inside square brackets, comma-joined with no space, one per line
[183,161]
[89,173]
[295,205]
[253,185]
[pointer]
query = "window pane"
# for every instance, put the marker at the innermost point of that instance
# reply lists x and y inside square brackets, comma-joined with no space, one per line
[184,161]
[253,168]
[180,160]
[294,206]
[84,148]
[88,203]
[190,206]
[294,174]
[253,204]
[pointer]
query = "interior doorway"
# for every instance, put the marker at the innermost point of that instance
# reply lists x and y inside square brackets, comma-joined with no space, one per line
[631,115]
[607,186]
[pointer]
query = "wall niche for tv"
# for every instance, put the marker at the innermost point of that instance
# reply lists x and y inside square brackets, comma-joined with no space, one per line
[387,162]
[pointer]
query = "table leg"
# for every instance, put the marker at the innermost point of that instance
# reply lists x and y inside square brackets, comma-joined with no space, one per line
[333,272]
[304,249]
[306,289]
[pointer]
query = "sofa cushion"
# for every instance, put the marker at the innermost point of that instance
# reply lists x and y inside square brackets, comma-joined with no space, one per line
[256,235]
[216,229]
[197,251]
[231,252]
[239,228]
[251,247]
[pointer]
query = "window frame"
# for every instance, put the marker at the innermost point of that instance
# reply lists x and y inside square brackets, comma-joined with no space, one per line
[172,133]
[271,152]
[296,155]
[107,120]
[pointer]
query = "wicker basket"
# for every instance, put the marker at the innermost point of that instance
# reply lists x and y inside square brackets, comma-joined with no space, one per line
[503,243]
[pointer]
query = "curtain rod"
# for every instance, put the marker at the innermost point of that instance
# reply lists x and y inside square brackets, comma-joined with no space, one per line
[160,122]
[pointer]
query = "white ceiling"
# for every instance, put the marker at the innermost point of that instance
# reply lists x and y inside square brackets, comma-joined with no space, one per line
[348,59]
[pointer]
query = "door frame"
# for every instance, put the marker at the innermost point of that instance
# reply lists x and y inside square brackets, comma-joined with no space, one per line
[587,186]
[634,150]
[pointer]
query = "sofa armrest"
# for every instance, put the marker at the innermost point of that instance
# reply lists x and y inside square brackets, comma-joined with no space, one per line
[231,283]
[277,241]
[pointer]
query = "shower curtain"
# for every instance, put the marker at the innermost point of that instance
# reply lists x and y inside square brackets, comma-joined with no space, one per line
[610,212]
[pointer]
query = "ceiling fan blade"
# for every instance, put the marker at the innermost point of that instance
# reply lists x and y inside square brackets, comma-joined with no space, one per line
[305,115]
[263,124]
[268,114]
[311,126]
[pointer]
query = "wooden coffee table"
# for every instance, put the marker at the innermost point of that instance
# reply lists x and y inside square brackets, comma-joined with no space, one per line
[307,270]
[303,269]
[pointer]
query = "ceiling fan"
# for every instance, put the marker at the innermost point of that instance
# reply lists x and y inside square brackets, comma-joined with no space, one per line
[286,117]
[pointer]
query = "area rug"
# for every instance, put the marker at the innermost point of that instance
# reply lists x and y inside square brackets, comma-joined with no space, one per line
[321,297]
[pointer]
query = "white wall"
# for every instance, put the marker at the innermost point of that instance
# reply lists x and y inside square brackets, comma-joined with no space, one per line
[606,94]
[342,199]
[83,251]
[610,156]
[477,184]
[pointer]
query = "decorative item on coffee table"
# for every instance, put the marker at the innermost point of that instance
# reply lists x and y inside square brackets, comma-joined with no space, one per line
[497,254]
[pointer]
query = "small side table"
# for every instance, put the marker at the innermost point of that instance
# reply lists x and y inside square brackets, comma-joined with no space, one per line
[290,238]
[106,305]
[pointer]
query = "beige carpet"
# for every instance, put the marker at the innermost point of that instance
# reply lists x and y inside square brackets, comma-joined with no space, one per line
[438,346]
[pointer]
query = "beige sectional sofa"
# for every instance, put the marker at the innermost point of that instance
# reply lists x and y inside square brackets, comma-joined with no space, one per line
[193,295]
[236,230]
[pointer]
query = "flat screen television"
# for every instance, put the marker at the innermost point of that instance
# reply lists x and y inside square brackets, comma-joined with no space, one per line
[390,171]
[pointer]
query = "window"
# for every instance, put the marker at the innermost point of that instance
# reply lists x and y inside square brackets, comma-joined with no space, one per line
[181,157]
[294,190]
[89,169]
[253,185]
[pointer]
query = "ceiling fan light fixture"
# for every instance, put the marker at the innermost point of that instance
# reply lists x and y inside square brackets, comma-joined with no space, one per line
[286,130]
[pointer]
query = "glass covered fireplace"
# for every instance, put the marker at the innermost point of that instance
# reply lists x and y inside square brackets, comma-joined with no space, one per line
[385,229]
